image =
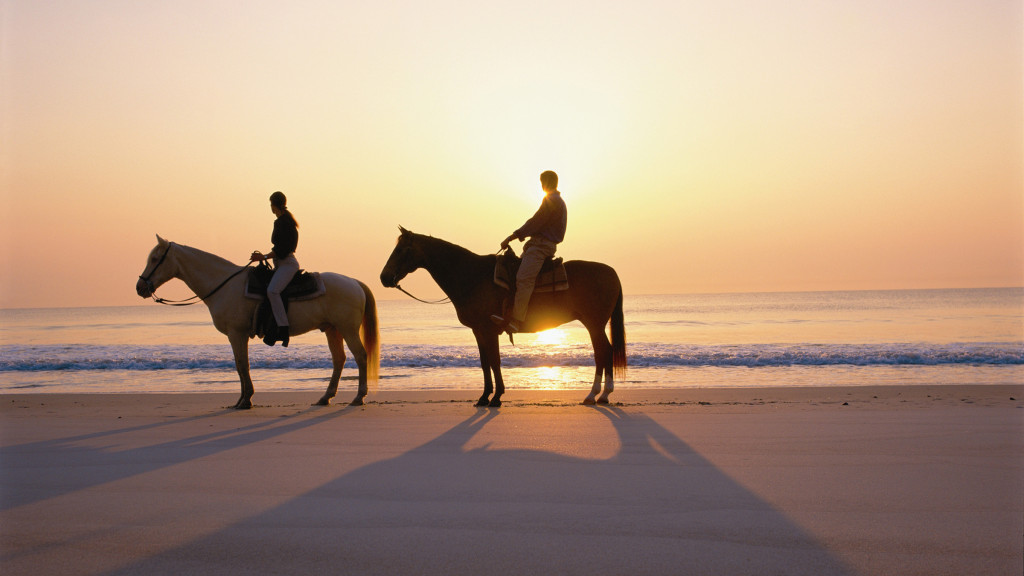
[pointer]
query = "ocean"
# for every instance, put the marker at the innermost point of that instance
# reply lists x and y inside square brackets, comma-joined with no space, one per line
[902,337]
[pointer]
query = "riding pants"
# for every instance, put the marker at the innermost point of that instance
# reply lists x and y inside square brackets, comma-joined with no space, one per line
[284,271]
[535,252]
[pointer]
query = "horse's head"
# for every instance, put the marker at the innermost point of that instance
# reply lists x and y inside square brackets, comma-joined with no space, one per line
[405,258]
[158,269]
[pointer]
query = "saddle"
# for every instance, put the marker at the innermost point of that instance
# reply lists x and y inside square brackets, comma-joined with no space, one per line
[304,286]
[552,277]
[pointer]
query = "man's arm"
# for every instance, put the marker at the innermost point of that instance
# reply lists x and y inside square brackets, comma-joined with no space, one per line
[536,223]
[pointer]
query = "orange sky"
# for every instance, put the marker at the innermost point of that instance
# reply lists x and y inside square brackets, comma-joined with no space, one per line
[702,147]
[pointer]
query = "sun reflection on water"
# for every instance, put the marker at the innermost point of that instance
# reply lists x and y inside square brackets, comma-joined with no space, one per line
[545,368]
[552,374]
[549,378]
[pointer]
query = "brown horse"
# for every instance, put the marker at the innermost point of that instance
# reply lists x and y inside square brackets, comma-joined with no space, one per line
[594,298]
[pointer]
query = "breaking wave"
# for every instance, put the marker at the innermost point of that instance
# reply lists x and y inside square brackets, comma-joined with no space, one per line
[18,358]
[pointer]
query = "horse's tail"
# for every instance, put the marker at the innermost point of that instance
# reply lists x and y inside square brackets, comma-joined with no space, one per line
[369,333]
[618,339]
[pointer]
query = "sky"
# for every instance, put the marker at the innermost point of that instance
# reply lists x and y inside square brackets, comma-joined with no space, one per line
[728,146]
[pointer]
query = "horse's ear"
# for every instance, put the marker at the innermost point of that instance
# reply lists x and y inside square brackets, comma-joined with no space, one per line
[160,240]
[403,231]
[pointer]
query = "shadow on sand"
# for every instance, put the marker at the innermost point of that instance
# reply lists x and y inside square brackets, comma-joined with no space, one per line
[102,464]
[656,507]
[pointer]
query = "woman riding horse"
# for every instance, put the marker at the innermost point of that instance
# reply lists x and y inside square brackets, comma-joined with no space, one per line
[285,239]
[346,312]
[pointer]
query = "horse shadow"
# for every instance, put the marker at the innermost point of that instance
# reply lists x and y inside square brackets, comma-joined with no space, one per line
[654,507]
[108,462]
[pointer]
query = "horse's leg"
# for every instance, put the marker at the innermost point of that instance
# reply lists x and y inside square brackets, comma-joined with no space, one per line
[240,347]
[609,379]
[485,363]
[494,354]
[602,364]
[606,363]
[337,347]
[355,345]
[609,364]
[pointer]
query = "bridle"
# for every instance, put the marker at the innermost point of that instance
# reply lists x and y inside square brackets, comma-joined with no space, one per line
[444,300]
[147,277]
[187,301]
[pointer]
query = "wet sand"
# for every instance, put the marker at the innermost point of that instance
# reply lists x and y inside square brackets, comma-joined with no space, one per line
[872,480]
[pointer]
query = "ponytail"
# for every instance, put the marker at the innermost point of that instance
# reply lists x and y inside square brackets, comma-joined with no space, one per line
[290,216]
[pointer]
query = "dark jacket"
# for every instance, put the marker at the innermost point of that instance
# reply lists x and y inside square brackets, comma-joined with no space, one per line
[549,221]
[285,237]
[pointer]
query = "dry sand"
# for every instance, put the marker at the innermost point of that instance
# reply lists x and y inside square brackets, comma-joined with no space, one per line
[897,480]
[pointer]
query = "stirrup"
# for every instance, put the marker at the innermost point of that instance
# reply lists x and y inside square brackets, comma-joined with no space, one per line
[510,325]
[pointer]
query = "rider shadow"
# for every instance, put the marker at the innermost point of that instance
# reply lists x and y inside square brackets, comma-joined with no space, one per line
[100,464]
[655,507]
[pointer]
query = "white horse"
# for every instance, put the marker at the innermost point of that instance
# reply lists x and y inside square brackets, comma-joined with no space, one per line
[347,313]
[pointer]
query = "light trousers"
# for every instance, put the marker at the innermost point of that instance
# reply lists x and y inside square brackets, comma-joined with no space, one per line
[536,251]
[284,271]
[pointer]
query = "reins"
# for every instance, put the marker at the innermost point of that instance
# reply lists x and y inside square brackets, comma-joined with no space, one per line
[187,301]
[445,300]
[197,299]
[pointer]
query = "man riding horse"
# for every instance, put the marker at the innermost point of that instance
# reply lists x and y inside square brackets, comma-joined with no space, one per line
[545,229]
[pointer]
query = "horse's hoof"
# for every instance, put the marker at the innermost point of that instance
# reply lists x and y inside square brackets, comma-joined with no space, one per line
[494,403]
[482,403]
[589,401]
[243,405]
[358,401]
[602,400]
[325,401]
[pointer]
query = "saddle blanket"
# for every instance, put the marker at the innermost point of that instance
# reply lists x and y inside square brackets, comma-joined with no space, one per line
[552,277]
[304,286]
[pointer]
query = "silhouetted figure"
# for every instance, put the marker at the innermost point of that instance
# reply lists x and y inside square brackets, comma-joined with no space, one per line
[285,239]
[545,230]
[594,297]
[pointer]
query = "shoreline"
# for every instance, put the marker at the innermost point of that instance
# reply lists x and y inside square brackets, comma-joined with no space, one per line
[828,480]
[517,379]
[879,395]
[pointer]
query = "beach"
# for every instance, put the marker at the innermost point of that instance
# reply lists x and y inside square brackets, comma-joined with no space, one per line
[808,480]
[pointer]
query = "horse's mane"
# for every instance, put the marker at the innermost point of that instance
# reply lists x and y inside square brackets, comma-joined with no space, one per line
[447,248]
[213,258]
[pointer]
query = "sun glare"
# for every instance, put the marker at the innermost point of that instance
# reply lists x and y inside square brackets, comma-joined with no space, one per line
[552,337]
